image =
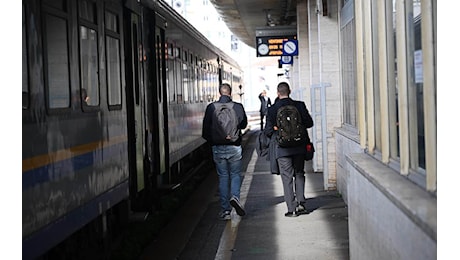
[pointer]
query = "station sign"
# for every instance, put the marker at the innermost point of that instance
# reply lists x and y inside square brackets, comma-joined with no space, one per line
[270,41]
[272,45]
[287,60]
[290,48]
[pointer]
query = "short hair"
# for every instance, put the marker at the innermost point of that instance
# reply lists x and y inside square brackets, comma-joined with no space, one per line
[283,89]
[225,89]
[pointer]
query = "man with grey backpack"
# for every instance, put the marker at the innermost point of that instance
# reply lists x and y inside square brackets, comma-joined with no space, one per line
[287,121]
[222,125]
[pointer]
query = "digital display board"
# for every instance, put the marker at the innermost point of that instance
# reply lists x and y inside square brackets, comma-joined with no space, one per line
[272,45]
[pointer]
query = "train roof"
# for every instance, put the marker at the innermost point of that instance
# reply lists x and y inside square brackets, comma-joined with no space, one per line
[169,13]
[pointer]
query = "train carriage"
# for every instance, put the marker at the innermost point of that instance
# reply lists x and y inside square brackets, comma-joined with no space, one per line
[113,97]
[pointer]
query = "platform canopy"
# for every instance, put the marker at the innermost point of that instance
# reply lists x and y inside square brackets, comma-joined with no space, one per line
[245,17]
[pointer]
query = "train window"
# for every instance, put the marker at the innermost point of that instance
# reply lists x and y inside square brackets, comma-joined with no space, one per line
[216,85]
[170,77]
[89,57]
[113,70]
[191,78]
[185,80]
[196,95]
[198,84]
[25,69]
[57,62]
[212,87]
[112,41]
[170,80]
[192,84]
[86,10]
[171,51]
[89,66]
[159,52]
[209,92]
[178,81]
[111,22]
[58,4]
[177,53]
[201,88]
[204,85]
[185,76]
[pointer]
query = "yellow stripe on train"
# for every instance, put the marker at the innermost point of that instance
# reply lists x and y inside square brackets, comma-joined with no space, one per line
[64,154]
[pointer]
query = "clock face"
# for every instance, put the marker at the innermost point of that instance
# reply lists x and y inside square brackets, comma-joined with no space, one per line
[263,49]
[289,47]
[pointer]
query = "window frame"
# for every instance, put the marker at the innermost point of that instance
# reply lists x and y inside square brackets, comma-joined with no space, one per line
[25,62]
[382,61]
[348,65]
[81,21]
[116,35]
[49,10]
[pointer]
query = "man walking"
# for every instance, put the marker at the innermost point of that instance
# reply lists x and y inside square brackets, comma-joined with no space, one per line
[290,157]
[222,124]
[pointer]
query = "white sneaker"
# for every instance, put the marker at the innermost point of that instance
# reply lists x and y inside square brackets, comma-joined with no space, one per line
[225,215]
[238,207]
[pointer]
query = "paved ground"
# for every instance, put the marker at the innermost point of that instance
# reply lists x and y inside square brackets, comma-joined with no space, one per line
[264,233]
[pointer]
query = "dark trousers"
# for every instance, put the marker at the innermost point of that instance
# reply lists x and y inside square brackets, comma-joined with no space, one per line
[292,176]
[262,115]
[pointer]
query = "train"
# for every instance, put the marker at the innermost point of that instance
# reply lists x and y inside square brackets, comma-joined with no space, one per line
[113,96]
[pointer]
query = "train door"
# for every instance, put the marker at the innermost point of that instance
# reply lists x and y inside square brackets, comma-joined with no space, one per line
[161,95]
[134,102]
[155,98]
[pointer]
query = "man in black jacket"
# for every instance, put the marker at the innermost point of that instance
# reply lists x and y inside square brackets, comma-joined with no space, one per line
[290,159]
[227,156]
[265,103]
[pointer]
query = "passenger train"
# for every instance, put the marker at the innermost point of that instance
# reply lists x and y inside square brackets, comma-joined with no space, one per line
[113,97]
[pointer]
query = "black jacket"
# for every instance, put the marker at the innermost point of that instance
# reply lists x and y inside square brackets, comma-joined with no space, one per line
[266,147]
[307,121]
[264,104]
[208,115]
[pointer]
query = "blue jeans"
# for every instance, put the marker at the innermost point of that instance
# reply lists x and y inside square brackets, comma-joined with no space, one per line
[228,164]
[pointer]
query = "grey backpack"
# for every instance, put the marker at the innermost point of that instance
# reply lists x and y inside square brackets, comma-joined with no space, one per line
[224,123]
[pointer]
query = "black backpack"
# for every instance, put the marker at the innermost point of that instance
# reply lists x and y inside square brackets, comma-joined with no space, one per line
[291,132]
[224,123]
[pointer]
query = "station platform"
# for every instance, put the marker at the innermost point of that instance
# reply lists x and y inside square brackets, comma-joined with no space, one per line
[264,232]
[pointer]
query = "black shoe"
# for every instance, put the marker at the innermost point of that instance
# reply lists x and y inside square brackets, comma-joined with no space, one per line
[291,214]
[238,207]
[301,209]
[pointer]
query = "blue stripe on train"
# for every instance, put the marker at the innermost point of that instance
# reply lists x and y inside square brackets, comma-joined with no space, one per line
[68,167]
[48,237]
